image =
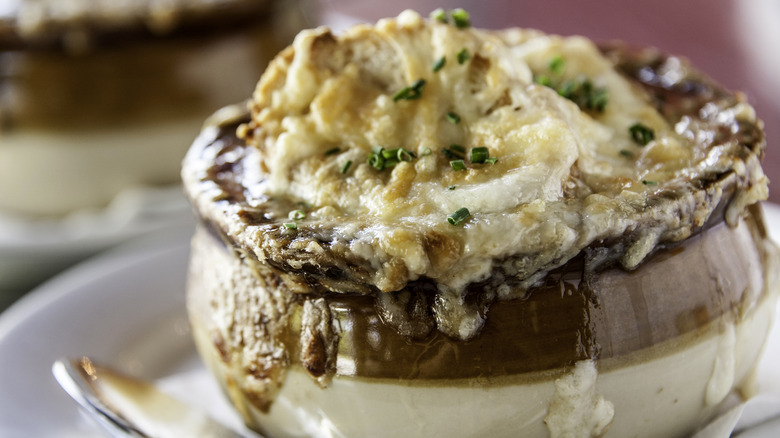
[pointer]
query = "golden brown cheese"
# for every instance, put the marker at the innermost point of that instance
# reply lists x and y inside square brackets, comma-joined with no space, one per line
[565,177]
[338,92]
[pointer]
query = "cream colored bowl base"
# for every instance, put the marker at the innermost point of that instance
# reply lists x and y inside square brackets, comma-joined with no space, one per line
[661,391]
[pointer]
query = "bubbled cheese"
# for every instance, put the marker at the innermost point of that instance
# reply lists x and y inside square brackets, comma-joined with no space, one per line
[566,177]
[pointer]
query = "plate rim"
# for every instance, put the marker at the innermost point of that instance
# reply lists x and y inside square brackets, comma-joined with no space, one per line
[82,286]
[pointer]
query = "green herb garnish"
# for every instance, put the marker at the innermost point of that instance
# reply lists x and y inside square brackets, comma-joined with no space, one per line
[649,183]
[582,92]
[453,118]
[297,215]
[403,155]
[439,14]
[544,80]
[333,151]
[451,188]
[346,166]
[641,134]
[597,100]
[479,155]
[450,154]
[454,152]
[463,56]
[459,216]
[459,149]
[439,64]
[491,160]
[579,90]
[557,65]
[411,92]
[458,165]
[461,18]
[290,225]
[382,158]
[377,161]
[626,153]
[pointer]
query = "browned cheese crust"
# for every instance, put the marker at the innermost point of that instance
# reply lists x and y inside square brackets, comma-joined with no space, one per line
[335,267]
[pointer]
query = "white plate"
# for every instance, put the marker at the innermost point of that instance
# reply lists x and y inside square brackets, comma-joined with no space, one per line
[32,250]
[126,309]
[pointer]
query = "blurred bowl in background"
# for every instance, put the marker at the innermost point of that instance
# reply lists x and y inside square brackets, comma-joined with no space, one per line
[99,100]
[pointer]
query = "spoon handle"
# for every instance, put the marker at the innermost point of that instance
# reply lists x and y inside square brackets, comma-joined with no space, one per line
[74,379]
[128,407]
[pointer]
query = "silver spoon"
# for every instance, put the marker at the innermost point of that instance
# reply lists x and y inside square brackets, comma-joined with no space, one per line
[127,407]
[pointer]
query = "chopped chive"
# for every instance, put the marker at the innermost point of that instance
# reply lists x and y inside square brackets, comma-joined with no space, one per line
[439,14]
[439,64]
[376,161]
[404,155]
[403,93]
[461,18]
[449,154]
[491,160]
[458,148]
[346,166]
[451,188]
[543,80]
[454,152]
[557,65]
[390,162]
[463,56]
[479,154]
[626,153]
[459,216]
[649,183]
[453,118]
[411,92]
[333,151]
[579,90]
[641,134]
[568,89]
[297,215]
[458,164]
[290,225]
[597,100]
[382,158]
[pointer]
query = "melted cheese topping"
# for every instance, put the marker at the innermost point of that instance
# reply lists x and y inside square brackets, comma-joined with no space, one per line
[338,92]
[565,177]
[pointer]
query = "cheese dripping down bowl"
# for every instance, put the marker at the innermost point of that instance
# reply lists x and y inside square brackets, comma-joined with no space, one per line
[420,227]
